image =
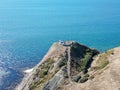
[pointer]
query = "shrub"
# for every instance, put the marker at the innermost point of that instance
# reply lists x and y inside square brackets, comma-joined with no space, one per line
[91,77]
[81,64]
[65,75]
[76,78]
[84,79]
[63,63]
[45,72]
[103,64]
[86,75]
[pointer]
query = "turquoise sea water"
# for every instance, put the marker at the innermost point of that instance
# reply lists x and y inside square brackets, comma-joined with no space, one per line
[28,28]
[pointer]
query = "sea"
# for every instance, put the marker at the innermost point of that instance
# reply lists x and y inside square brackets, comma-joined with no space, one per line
[29,27]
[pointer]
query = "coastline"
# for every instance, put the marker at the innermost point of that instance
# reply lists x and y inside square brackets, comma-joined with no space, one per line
[27,71]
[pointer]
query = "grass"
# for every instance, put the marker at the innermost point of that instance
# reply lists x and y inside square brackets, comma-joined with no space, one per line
[63,63]
[81,64]
[42,74]
[38,85]
[91,77]
[84,78]
[45,68]
[85,60]
[102,65]
[102,62]
[65,75]
[83,55]
[76,78]
[78,50]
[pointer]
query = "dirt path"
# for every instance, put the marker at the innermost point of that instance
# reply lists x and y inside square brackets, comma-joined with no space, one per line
[69,65]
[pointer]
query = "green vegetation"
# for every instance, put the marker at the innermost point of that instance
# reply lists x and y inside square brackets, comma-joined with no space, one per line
[38,85]
[78,50]
[81,65]
[81,61]
[44,68]
[85,60]
[86,75]
[110,52]
[76,78]
[65,75]
[103,64]
[42,74]
[103,60]
[91,77]
[84,78]
[32,86]
[63,63]
[82,57]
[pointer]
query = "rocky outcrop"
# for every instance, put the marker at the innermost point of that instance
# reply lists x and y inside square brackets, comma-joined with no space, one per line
[75,67]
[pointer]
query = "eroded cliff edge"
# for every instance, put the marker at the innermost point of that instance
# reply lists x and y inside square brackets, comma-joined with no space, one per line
[73,66]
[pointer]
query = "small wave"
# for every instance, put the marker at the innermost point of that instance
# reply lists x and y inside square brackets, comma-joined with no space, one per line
[5,41]
[3,72]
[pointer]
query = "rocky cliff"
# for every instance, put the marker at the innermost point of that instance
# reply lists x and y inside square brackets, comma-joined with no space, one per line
[73,66]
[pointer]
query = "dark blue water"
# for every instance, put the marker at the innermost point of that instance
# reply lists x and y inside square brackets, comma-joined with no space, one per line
[29,27]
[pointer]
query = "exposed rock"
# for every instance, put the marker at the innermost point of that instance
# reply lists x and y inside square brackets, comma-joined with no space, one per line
[55,82]
[75,67]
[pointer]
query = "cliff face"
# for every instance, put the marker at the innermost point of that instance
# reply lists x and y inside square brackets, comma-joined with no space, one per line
[73,66]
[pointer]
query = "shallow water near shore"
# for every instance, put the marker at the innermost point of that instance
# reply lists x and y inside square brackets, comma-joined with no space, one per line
[28,29]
